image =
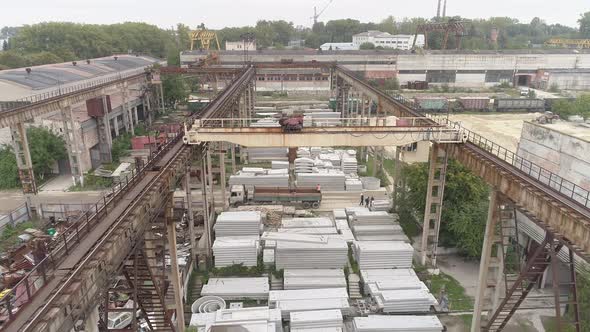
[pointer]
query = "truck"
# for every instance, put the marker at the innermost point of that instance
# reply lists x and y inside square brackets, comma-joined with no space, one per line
[308,197]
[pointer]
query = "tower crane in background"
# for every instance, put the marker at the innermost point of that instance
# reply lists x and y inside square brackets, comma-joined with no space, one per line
[316,14]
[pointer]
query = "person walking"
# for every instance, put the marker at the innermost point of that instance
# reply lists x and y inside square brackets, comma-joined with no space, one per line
[367,202]
[372,199]
[362,200]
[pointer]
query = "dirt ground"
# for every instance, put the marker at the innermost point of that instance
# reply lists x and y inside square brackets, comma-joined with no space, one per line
[501,128]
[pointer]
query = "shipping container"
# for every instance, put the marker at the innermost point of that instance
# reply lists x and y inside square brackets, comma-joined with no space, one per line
[519,104]
[432,103]
[474,103]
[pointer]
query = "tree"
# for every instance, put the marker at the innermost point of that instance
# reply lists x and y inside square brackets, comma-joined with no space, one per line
[46,149]
[5,45]
[8,169]
[175,89]
[465,205]
[367,46]
[584,22]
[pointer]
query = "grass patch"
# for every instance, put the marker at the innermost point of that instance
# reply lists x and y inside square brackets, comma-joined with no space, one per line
[466,320]
[353,264]
[550,325]
[458,300]
[93,183]
[9,236]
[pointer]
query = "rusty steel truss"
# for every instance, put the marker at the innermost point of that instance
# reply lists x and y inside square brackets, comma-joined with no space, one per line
[452,26]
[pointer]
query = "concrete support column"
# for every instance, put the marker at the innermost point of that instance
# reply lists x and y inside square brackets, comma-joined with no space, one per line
[70,134]
[205,198]
[484,263]
[105,139]
[20,144]
[190,213]
[396,176]
[135,115]
[92,319]
[147,108]
[434,200]
[176,284]
[127,113]
[222,181]
[210,178]
[233,158]
[116,125]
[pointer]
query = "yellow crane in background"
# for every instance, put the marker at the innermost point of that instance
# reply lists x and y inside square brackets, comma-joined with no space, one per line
[203,39]
[562,42]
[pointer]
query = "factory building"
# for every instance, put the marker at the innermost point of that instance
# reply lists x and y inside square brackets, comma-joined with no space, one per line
[387,40]
[127,105]
[567,69]
[240,45]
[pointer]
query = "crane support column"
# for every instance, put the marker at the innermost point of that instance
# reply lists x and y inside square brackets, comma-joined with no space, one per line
[205,197]
[484,263]
[72,139]
[190,213]
[222,181]
[24,162]
[434,201]
[176,284]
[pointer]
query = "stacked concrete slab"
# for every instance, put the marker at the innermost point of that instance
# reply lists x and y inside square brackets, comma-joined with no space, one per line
[310,279]
[261,319]
[267,154]
[333,254]
[401,323]
[237,288]
[230,250]
[238,223]
[309,300]
[280,180]
[383,254]
[329,180]
[326,320]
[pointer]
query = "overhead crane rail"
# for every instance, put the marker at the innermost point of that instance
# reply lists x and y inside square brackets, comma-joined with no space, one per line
[35,303]
[560,189]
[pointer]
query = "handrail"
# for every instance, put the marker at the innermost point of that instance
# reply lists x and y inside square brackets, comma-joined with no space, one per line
[61,245]
[560,185]
[318,122]
[557,183]
[63,91]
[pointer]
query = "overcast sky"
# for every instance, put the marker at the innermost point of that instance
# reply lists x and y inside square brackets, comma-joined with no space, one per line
[220,13]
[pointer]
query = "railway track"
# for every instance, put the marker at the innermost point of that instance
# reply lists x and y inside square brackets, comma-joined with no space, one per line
[78,246]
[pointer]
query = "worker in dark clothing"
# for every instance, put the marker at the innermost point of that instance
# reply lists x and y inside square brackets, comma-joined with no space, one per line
[362,200]
[367,202]
[372,199]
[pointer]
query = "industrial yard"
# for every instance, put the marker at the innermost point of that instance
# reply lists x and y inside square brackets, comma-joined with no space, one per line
[419,174]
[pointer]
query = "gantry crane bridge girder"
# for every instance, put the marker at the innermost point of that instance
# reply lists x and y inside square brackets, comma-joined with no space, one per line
[452,26]
[562,210]
[204,39]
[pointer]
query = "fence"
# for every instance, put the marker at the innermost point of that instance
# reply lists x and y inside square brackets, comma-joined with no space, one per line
[15,217]
[63,211]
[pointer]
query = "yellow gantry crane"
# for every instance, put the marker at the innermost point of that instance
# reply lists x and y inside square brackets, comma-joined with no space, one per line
[562,42]
[203,39]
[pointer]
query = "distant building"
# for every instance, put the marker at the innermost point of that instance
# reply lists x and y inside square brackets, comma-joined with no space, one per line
[339,47]
[387,40]
[296,43]
[240,45]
